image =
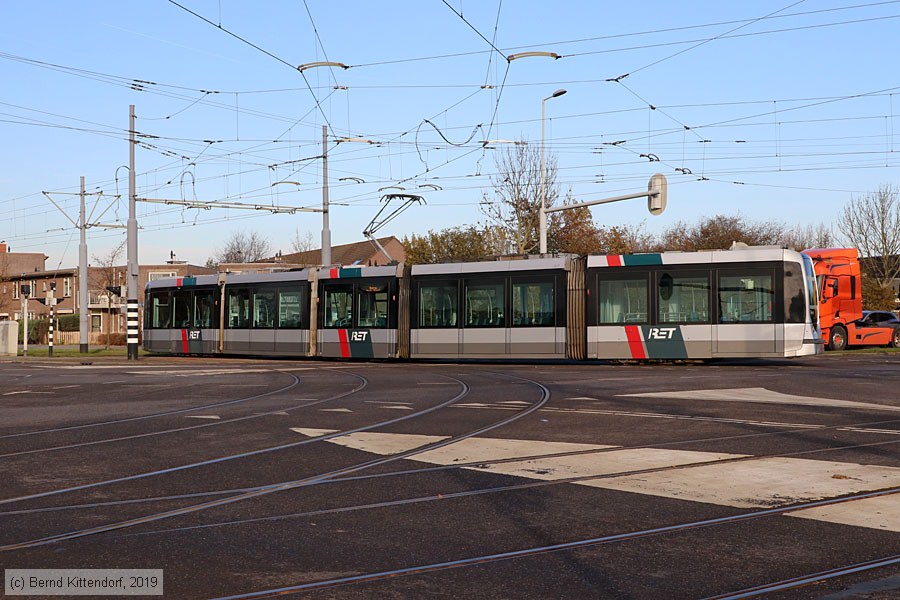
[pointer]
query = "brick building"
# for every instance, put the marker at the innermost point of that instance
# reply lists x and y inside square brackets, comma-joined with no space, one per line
[107,311]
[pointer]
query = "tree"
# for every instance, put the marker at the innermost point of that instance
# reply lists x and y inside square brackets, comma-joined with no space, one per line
[454,244]
[301,242]
[241,247]
[871,223]
[625,239]
[719,232]
[572,230]
[876,296]
[105,276]
[515,207]
[809,236]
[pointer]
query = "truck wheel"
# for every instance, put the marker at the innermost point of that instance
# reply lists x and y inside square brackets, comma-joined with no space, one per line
[837,339]
[895,338]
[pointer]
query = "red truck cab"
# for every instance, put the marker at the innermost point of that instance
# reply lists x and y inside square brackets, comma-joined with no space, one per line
[839,285]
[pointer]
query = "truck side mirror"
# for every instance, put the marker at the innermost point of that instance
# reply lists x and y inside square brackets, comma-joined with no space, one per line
[830,289]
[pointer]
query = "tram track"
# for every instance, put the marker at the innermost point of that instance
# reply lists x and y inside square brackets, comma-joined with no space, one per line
[809,579]
[284,486]
[295,382]
[445,496]
[362,385]
[501,461]
[564,546]
[305,404]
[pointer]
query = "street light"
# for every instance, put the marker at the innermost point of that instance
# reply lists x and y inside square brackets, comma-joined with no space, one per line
[543,213]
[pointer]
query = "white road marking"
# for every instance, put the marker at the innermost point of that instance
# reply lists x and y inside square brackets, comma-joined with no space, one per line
[25,392]
[763,482]
[65,387]
[384,402]
[397,407]
[242,385]
[212,417]
[340,410]
[703,476]
[881,512]
[759,395]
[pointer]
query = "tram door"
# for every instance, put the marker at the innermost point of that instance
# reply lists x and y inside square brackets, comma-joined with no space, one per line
[746,307]
[357,318]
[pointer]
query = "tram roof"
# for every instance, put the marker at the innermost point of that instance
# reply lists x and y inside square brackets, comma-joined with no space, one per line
[744,254]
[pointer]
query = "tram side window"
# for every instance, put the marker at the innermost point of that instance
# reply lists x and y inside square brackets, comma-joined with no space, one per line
[484,305]
[683,298]
[746,299]
[533,304]
[203,309]
[289,309]
[338,300]
[438,305]
[159,310]
[181,309]
[238,308]
[623,301]
[373,305]
[263,309]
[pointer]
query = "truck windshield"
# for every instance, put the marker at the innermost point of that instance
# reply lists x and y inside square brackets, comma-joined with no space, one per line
[812,295]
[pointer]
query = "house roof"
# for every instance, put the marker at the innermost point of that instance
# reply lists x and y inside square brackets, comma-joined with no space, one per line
[363,253]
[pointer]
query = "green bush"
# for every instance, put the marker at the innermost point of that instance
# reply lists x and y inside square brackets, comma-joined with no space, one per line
[67,323]
[37,331]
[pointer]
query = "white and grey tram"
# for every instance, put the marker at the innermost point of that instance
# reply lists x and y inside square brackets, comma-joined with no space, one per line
[753,302]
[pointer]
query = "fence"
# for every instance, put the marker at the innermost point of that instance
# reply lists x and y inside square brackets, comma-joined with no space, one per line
[73,338]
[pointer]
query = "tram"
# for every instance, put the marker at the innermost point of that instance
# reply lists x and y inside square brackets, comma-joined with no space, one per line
[746,302]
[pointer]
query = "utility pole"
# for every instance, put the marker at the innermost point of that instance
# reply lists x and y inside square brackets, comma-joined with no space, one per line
[131,312]
[83,316]
[326,232]
[82,224]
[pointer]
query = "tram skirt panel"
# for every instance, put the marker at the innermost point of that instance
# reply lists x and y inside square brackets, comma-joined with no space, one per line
[357,343]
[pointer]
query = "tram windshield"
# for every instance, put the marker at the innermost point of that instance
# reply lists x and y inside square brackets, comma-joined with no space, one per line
[812,295]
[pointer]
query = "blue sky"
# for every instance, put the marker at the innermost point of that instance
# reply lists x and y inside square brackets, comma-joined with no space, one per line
[771,110]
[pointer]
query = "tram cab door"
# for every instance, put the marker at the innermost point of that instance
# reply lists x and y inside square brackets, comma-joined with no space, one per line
[746,320]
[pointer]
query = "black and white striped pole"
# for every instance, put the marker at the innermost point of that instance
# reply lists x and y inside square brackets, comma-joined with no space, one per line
[52,302]
[131,309]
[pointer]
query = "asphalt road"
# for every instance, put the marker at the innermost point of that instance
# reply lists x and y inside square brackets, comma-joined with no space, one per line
[253,478]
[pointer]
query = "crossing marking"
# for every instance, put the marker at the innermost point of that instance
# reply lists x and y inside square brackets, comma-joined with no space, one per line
[881,512]
[702,476]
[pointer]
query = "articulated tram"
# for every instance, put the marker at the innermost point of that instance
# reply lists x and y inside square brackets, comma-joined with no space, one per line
[751,302]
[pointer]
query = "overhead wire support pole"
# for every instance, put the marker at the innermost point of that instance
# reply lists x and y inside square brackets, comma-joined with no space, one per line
[326,232]
[132,270]
[83,224]
[83,301]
